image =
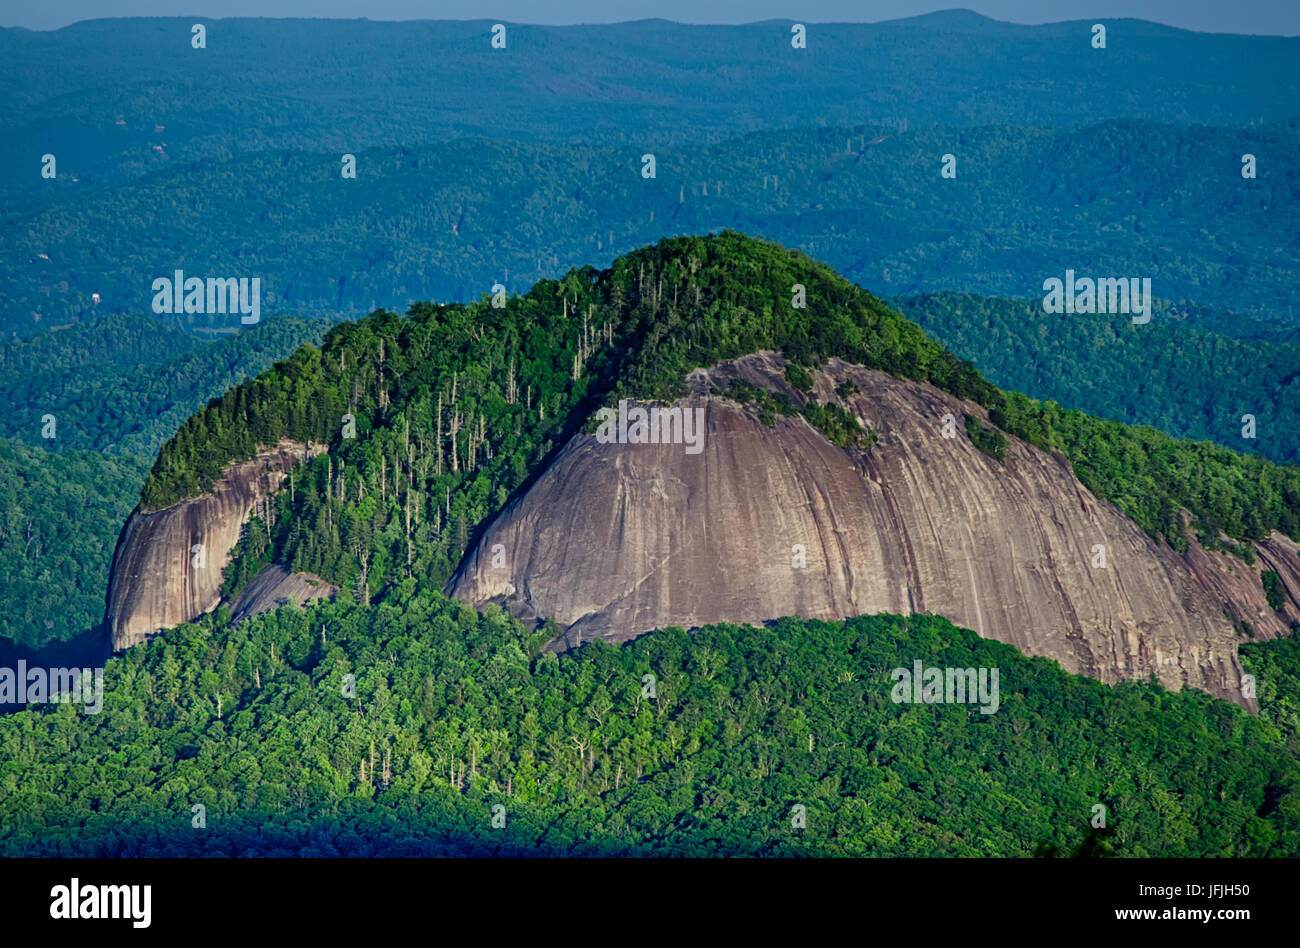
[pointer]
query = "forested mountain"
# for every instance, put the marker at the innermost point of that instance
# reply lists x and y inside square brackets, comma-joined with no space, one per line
[1170,374]
[117,99]
[454,714]
[125,385]
[447,221]
[94,375]
[455,407]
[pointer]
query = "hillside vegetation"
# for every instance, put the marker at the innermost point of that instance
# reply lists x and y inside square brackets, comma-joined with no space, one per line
[673,744]
[60,513]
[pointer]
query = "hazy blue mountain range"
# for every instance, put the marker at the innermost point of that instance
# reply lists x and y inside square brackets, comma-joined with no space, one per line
[96,92]
[448,221]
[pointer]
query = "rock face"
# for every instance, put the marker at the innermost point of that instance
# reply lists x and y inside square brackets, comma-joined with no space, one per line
[155,583]
[616,540]
[274,587]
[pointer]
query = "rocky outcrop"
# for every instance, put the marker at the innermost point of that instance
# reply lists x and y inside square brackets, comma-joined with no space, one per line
[1239,586]
[615,540]
[274,587]
[168,563]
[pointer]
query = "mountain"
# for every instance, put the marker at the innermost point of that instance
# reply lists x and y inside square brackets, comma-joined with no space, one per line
[437,422]
[124,384]
[447,221]
[99,378]
[118,99]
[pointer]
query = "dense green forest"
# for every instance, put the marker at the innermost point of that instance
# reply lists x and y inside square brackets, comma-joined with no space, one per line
[1171,374]
[1276,667]
[117,99]
[456,406]
[672,744]
[124,384]
[447,221]
[60,513]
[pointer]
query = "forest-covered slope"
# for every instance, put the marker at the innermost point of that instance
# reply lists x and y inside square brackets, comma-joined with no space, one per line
[674,744]
[60,514]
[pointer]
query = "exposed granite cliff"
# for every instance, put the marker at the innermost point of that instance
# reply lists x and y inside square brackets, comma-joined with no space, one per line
[154,583]
[273,587]
[616,540]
